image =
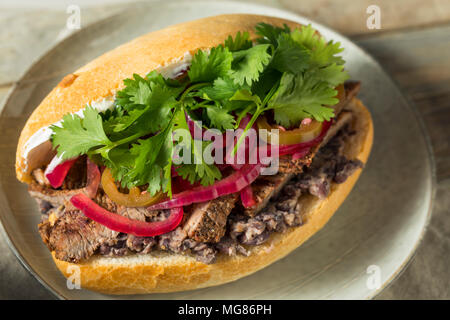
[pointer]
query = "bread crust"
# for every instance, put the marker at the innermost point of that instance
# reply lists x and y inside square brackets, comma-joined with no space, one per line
[169,272]
[103,76]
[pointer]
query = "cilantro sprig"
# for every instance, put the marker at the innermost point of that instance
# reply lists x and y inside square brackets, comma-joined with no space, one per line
[293,73]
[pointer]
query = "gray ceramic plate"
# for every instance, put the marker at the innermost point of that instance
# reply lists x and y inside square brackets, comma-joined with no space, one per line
[380,224]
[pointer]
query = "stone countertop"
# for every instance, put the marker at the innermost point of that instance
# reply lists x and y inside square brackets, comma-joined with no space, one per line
[28,32]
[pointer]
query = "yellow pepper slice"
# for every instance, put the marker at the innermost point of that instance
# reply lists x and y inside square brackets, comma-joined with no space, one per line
[304,133]
[135,198]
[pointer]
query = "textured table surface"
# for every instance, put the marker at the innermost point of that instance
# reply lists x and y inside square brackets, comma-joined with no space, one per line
[413,45]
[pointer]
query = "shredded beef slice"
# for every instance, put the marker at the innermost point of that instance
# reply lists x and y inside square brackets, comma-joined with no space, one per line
[288,165]
[208,220]
[73,184]
[54,197]
[74,237]
[264,188]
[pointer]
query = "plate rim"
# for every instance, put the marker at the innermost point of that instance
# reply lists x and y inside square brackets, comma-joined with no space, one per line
[409,102]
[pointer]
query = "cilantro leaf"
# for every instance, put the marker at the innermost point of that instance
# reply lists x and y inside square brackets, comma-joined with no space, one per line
[150,160]
[143,163]
[322,52]
[300,97]
[119,161]
[78,135]
[290,56]
[132,93]
[151,98]
[111,117]
[206,67]
[240,42]
[206,173]
[246,95]
[148,119]
[248,64]
[220,118]
[127,120]
[269,33]
[267,80]
[167,177]
[222,88]
[333,74]
[142,94]
[221,93]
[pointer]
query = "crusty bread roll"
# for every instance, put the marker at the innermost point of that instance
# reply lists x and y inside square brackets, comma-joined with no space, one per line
[168,272]
[163,271]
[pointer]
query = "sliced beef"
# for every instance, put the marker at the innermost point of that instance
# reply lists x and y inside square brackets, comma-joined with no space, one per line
[45,229]
[207,220]
[264,188]
[73,184]
[287,165]
[139,214]
[351,90]
[53,213]
[55,197]
[74,237]
[342,120]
